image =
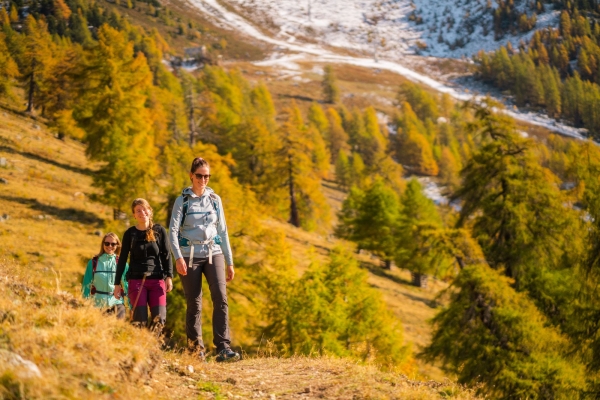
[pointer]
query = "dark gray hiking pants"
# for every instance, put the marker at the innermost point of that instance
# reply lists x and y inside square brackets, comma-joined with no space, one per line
[192,288]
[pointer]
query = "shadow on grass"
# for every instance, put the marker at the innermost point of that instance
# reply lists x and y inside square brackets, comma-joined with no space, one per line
[298,97]
[37,157]
[64,214]
[377,270]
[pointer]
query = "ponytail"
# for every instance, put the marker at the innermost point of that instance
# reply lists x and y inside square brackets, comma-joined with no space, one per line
[150,232]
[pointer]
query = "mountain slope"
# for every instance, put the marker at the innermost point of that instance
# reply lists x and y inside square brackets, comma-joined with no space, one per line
[390,28]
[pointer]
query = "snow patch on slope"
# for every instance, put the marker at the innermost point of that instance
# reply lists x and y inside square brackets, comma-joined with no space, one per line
[390,28]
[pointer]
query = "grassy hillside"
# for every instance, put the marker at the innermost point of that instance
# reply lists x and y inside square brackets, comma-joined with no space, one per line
[51,230]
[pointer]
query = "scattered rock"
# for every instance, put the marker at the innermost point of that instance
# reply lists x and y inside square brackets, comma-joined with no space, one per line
[190,369]
[3,162]
[36,127]
[98,233]
[5,217]
[4,181]
[272,397]
[307,389]
[231,380]
[24,369]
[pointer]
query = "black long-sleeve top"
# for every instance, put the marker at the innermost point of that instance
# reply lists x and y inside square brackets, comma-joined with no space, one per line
[145,256]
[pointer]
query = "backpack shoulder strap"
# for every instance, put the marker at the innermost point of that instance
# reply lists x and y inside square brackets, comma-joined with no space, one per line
[215,203]
[184,210]
[94,264]
[157,231]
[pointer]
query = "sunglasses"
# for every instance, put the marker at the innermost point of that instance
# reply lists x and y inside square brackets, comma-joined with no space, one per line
[200,176]
[107,244]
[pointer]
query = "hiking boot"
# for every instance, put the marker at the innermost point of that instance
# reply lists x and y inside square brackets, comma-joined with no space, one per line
[227,355]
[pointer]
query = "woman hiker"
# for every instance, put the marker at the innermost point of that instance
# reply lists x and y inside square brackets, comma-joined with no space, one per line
[150,274]
[200,244]
[99,277]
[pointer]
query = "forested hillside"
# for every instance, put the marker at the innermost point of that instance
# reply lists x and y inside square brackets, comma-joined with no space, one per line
[516,238]
[557,70]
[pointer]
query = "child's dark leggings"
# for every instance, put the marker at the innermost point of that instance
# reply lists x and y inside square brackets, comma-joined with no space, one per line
[192,287]
[153,294]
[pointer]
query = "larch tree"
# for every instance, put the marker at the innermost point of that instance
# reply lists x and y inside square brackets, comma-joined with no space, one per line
[418,216]
[37,58]
[307,205]
[519,216]
[9,70]
[331,91]
[318,119]
[342,170]
[370,219]
[113,114]
[495,336]
[4,18]
[336,136]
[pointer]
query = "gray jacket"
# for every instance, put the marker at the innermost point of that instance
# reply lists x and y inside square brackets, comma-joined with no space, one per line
[201,225]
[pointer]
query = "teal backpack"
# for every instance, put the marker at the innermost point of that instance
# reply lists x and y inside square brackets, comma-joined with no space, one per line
[93,289]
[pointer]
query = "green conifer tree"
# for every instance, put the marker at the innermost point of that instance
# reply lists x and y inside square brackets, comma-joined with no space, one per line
[519,208]
[492,335]
[418,217]
[331,91]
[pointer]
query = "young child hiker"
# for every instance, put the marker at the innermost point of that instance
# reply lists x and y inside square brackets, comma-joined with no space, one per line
[99,277]
[200,244]
[150,268]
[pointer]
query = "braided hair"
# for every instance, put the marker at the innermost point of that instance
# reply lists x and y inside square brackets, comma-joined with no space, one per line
[144,203]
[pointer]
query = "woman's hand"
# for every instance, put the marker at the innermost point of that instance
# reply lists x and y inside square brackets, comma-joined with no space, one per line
[180,266]
[117,292]
[169,284]
[230,273]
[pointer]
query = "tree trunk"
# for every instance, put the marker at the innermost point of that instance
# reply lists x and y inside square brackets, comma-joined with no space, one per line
[419,280]
[294,219]
[192,126]
[170,203]
[189,96]
[388,265]
[30,95]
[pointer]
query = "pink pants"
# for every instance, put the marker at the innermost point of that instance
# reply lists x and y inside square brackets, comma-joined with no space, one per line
[154,295]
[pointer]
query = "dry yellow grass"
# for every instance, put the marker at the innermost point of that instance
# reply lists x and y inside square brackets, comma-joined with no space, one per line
[83,354]
[52,222]
[80,353]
